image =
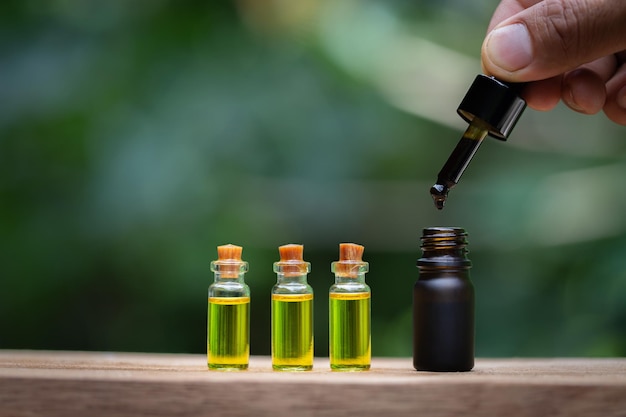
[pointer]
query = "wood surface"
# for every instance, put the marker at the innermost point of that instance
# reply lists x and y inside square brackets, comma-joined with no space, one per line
[130,384]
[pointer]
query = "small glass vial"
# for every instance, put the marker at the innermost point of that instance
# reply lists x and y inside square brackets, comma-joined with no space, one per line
[228,340]
[350,310]
[443,303]
[292,312]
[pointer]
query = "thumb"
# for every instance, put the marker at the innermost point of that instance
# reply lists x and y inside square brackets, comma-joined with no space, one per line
[554,36]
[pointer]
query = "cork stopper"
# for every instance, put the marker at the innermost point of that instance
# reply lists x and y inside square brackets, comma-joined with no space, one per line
[291,260]
[229,263]
[350,263]
[229,252]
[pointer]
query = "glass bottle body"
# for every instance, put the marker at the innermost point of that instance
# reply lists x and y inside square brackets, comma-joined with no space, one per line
[443,304]
[350,324]
[292,324]
[228,340]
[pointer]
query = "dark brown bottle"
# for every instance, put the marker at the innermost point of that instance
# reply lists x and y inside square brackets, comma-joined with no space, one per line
[443,303]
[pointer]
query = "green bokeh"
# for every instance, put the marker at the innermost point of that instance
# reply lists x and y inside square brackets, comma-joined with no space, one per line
[135,137]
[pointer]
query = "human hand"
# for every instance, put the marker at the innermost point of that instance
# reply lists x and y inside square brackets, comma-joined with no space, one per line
[574,50]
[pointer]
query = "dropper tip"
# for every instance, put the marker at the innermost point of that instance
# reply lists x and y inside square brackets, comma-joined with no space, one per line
[439,193]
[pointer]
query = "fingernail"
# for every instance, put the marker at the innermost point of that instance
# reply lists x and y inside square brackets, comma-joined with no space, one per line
[509,47]
[621,98]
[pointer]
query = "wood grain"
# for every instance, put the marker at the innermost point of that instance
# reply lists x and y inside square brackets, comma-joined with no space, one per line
[129,384]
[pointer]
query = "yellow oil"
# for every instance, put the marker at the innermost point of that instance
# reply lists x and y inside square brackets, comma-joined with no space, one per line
[292,332]
[350,332]
[228,342]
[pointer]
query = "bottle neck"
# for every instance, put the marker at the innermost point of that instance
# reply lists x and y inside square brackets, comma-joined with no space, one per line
[444,248]
[349,271]
[229,278]
[345,279]
[283,278]
[229,271]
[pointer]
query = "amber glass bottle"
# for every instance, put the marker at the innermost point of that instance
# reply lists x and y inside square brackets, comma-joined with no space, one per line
[443,303]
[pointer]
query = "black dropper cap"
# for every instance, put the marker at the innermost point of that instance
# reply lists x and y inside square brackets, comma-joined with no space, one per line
[495,102]
[491,107]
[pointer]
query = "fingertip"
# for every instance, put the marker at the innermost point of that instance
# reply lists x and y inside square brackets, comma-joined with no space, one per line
[507,49]
[583,91]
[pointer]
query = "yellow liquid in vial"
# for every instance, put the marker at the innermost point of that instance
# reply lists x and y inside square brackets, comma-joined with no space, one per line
[292,332]
[228,342]
[350,337]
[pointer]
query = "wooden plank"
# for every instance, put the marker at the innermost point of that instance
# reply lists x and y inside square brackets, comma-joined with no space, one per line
[127,384]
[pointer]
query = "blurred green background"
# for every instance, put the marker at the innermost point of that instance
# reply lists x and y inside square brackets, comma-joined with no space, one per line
[136,136]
